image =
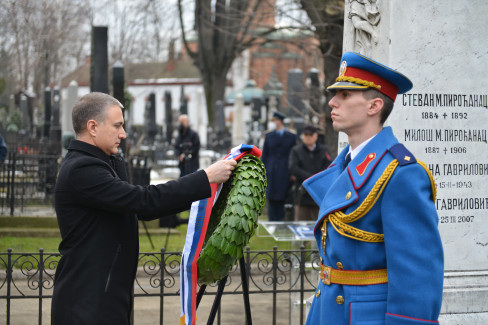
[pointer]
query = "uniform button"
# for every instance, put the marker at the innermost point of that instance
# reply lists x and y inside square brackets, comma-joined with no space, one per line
[317,294]
[339,265]
[348,195]
[340,300]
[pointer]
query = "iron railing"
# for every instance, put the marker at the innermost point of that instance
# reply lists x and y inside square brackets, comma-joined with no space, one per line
[26,179]
[293,273]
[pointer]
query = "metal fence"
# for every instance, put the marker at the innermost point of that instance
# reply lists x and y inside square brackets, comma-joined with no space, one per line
[293,273]
[26,179]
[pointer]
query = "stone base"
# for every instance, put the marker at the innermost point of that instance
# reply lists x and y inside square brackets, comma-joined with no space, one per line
[463,319]
[465,298]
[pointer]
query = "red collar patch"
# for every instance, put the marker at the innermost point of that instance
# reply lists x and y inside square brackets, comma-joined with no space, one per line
[361,168]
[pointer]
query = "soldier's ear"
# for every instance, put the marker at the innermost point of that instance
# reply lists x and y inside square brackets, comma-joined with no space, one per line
[375,106]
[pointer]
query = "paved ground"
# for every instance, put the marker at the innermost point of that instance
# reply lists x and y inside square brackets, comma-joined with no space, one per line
[147,309]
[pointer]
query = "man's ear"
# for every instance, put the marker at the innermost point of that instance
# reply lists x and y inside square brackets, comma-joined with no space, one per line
[376,105]
[91,127]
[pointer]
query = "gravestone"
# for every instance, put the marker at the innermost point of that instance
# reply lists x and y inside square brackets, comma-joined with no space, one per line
[55,130]
[238,121]
[442,48]
[294,93]
[99,60]
[150,118]
[168,116]
[24,109]
[69,103]
[47,112]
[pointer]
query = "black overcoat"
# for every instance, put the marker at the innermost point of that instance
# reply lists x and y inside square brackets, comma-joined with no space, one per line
[305,163]
[192,140]
[276,150]
[96,210]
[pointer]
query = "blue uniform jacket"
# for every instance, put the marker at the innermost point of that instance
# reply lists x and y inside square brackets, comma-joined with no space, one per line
[276,152]
[411,252]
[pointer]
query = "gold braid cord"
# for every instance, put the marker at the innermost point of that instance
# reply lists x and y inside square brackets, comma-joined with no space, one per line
[432,181]
[340,220]
[358,81]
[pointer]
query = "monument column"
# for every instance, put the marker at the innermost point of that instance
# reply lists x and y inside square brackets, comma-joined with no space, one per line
[442,48]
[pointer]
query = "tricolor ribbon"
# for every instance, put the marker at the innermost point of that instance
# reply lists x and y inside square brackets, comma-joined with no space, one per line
[197,228]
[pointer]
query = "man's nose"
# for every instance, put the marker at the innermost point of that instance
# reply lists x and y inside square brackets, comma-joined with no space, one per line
[123,134]
[332,102]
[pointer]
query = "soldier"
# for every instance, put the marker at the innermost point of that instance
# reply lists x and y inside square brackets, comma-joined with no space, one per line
[380,249]
[276,151]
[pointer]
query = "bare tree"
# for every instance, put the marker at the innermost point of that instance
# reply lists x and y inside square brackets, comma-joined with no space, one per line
[41,38]
[140,30]
[327,17]
[224,28]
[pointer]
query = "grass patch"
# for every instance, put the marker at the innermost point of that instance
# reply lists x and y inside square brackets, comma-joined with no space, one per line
[174,243]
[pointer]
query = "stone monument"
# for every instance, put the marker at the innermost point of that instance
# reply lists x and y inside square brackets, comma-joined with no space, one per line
[67,111]
[238,121]
[442,47]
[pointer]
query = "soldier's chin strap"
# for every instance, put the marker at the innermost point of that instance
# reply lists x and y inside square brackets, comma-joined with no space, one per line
[339,220]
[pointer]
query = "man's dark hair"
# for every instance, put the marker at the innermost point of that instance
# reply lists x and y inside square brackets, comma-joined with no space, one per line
[387,102]
[92,106]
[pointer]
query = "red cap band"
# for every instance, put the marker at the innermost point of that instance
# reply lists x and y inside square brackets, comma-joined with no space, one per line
[387,88]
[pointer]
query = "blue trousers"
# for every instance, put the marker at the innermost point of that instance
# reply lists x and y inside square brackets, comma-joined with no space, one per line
[276,210]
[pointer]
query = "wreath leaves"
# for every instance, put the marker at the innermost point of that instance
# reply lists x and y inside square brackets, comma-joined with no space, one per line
[234,220]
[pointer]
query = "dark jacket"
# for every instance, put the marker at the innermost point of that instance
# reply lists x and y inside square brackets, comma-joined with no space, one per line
[188,143]
[3,149]
[96,210]
[276,150]
[305,163]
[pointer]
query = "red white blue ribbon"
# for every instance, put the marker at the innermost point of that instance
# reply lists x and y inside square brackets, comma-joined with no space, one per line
[197,228]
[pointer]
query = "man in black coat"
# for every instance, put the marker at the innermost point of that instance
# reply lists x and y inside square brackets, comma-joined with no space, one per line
[96,210]
[187,147]
[276,150]
[307,159]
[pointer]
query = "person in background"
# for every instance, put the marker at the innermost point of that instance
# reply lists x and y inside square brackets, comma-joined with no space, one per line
[3,149]
[276,152]
[377,233]
[187,147]
[307,159]
[98,210]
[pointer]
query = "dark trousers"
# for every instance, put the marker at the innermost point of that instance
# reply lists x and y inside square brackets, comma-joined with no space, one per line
[306,212]
[183,172]
[276,210]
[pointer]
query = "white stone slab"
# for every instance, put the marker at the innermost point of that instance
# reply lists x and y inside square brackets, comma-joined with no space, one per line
[442,46]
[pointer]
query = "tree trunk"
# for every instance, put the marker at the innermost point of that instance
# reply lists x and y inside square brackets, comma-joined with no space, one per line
[327,16]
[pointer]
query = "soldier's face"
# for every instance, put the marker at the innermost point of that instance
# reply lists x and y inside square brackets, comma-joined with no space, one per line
[349,111]
[110,131]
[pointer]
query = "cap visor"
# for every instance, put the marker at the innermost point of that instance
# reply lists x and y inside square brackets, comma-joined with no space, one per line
[346,85]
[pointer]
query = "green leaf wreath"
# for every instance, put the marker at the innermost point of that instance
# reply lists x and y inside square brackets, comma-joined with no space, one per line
[233,220]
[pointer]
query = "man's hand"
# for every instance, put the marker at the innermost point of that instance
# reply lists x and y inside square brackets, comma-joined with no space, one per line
[220,171]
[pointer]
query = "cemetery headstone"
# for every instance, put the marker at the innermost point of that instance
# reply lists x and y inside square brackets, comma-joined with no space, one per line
[99,60]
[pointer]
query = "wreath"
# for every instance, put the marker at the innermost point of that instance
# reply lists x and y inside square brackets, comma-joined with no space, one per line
[233,220]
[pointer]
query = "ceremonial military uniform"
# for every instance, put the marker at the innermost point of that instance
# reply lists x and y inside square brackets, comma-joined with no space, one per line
[276,152]
[380,249]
